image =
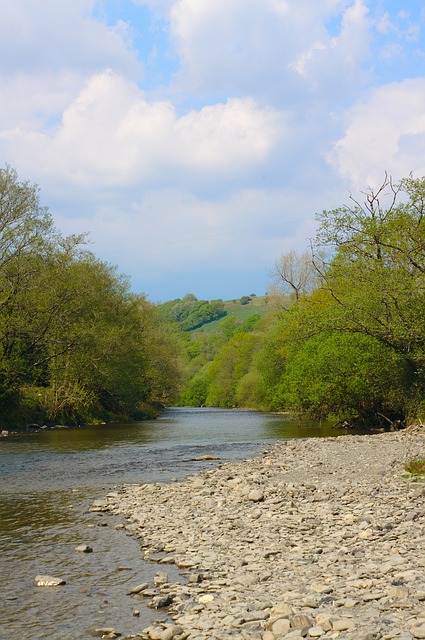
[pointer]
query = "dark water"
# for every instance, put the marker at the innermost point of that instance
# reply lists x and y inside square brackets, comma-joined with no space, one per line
[49,479]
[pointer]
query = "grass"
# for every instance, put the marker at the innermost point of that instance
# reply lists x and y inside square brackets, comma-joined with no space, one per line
[238,311]
[416,468]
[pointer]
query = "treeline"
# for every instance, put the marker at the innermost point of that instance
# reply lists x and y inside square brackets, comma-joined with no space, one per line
[75,344]
[345,334]
[189,313]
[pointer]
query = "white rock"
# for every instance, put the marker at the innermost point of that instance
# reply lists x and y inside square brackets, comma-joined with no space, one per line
[48,581]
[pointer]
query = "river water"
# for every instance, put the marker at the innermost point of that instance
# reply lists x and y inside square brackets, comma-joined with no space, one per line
[48,481]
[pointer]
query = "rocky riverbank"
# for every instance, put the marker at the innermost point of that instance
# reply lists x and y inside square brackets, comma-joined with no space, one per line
[316,538]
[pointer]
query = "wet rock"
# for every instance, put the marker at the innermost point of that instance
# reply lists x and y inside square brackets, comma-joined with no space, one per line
[159,602]
[48,581]
[138,589]
[84,548]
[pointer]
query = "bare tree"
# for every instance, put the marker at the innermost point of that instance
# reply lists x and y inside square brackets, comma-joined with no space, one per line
[294,274]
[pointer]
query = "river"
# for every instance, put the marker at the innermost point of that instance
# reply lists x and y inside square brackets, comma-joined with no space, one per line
[48,481]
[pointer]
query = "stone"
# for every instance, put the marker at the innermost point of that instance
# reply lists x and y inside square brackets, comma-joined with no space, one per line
[138,589]
[48,581]
[256,495]
[205,599]
[324,620]
[300,621]
[104,632]
[280,627]
[160,578]
[171,632]
[283,608]
[334,543]
[159,602]
[84,548]
[418,632]
[342,625]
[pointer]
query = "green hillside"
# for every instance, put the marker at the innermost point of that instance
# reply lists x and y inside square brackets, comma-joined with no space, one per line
[237,310]
[193,315]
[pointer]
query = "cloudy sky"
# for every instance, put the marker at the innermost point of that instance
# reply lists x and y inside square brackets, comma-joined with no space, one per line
[196,139]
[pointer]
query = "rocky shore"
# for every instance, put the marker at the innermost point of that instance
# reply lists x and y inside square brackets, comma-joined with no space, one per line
[316,538]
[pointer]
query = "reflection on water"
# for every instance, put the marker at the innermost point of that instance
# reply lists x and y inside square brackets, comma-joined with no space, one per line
[48,480]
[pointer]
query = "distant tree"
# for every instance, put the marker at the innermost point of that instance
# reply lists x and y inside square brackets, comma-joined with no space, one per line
[294,275]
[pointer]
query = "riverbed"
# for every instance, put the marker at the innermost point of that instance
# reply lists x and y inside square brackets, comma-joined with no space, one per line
[48,481]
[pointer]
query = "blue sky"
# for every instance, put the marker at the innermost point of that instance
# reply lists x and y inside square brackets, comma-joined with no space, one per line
[195,140]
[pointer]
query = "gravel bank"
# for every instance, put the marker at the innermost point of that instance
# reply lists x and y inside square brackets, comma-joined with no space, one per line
[316,538]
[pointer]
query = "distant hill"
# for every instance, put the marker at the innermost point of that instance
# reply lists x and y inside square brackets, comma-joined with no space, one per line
[191,314]
[238,310]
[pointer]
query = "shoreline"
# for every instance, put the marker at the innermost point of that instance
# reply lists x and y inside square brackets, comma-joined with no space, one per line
[317,537]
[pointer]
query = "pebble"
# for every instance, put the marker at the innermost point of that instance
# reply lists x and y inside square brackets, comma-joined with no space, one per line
[48,581]
[317,538]
[84,548]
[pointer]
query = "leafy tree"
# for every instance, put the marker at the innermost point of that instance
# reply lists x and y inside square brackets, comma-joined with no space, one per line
[367,314]
[228,367]
[377,276]
[75,344]
[347,376]
[190,313]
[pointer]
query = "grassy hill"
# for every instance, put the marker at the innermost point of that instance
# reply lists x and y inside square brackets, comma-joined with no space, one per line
[193,315]
[237,310]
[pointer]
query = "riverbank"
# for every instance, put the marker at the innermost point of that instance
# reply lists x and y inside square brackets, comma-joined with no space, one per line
[320,537]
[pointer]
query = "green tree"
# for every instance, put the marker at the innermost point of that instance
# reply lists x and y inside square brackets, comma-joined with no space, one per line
[351,377]
[228,367]
[366,317]
[75,344]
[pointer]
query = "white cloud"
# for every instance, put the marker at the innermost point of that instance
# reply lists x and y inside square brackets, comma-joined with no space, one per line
[384,133]
[41,35]
[111,135]
[171,235]
[194,171]
[277,49]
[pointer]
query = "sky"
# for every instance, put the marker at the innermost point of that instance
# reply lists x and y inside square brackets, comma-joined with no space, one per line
[196,140]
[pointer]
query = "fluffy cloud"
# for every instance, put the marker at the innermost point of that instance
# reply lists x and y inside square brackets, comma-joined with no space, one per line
[277,49]
[111,135]
[176,241]
[38,36]
[217,155]
[384,133]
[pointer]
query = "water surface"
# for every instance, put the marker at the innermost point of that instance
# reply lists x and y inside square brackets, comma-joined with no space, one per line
[48,481]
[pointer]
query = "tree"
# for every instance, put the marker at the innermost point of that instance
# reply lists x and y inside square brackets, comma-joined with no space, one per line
[371,298]
[75,344]
[294,275]
[352,377]
[377,276]
[228,367]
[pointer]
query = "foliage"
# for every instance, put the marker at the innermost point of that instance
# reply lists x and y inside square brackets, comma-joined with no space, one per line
[351,343]
[75,344]
[228,367]
[416,467]
[355,347]
[190,313]
[348,376]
